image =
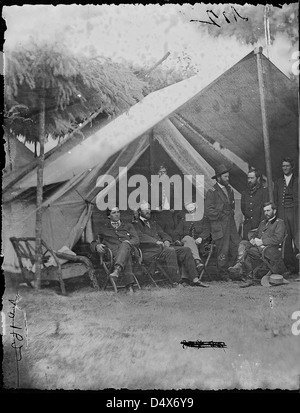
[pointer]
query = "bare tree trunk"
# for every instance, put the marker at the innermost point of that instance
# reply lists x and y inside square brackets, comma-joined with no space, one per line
[39,195]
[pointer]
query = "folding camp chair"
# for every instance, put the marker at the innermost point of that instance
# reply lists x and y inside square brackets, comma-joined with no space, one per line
[74,267]
[265,263]
[154,271]
[107,263]
[206,250]
[264,266]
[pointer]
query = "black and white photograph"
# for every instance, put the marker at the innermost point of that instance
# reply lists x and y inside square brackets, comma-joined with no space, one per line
[150,220]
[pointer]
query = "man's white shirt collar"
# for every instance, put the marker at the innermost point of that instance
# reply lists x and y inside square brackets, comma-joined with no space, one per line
[287,179]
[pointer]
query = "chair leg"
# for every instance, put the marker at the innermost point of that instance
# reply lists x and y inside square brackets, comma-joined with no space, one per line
[61,282]
[204,270]
[112,281]
[148,273]
[106,282]
[137,282]
[164,273]
[26,279]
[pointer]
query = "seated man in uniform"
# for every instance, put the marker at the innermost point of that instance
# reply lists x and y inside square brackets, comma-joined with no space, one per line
[120,238]
[270,233]
[154,242]
[190,232]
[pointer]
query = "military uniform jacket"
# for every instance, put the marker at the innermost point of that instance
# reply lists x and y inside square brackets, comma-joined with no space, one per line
[252,206]
[271,232]
[113,237]
[149,236]
[194,229]
[219,209]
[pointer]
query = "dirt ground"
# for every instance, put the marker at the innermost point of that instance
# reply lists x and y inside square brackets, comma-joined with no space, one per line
[94,340]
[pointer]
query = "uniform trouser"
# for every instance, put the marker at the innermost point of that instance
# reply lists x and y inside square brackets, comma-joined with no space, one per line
[291,228]
[227,247]
[191,244]
[171,257]
[122,256]
[253,256]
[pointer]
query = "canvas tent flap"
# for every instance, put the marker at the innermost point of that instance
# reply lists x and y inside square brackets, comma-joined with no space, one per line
[229,112]
[67,162]
[17,154]
[86,186]
[213,153]
[208,124]
[188,160]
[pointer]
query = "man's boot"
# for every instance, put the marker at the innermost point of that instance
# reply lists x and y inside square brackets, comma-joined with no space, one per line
[129,289]
[116,272]
[248,281]
[236,271]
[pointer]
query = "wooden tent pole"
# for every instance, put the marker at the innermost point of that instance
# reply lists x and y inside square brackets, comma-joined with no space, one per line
[264,121]
[152,153]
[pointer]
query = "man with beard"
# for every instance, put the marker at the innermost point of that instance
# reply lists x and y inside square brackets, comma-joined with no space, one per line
[286,199]
[270,233]
[252,202]
[219,209]
[155,243]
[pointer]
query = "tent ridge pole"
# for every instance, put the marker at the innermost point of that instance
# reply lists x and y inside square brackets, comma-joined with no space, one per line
[266,137]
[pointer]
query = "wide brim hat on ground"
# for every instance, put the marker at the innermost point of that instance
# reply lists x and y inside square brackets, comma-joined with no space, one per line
[273,280]
[220,170]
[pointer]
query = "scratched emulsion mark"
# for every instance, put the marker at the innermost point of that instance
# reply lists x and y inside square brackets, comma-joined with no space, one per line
[271,301]
[203,344]
[215,16]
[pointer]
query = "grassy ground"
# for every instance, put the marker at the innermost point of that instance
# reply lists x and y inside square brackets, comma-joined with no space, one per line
[96,339]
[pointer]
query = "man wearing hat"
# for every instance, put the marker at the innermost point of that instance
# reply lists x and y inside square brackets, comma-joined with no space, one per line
[154,242]
[191,232]
[120,238]
[219,209]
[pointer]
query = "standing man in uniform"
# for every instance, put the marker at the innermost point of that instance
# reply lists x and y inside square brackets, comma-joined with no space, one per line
[252,202]
[219,209]
[286,199]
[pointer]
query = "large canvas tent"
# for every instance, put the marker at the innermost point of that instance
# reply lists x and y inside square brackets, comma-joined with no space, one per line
[191,125]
